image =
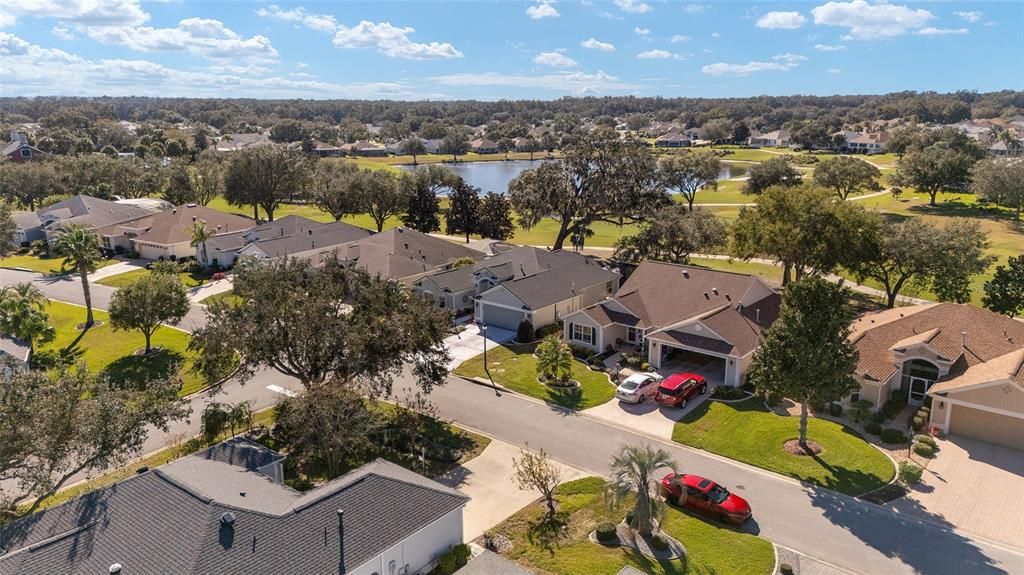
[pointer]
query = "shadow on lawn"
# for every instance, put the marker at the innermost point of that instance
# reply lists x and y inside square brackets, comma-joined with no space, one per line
[136,370]
[930,546]
[546,531]
[955,207]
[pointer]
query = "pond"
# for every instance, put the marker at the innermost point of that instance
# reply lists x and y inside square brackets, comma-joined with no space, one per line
[494,176]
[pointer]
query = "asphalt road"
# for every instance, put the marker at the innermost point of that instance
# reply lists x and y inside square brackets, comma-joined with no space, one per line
[844,531]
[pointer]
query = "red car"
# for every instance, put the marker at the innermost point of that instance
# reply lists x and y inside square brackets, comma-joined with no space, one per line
[705,496]
[679,387]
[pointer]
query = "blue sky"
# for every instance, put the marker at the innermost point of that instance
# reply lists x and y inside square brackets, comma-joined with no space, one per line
[488,50]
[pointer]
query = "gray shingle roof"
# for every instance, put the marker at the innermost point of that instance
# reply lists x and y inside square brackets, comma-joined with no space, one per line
[241,452]
[13,347]
[490,563]
[90,211]
[540,278]
[158,524]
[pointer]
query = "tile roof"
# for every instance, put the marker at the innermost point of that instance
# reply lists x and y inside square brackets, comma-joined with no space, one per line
[944,327]
[175,226]
[159,523]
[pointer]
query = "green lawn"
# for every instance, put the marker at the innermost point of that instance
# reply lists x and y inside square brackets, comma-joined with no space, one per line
[768,272]
[710,547]
[228,297]
[109,351]
[120,280]
[747,432]
[515,367]
[49,266]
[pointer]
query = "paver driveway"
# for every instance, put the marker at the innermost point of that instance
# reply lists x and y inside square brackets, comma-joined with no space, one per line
[977,487]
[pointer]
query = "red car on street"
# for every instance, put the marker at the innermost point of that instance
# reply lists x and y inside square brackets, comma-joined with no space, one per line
[705,496]
[679,387]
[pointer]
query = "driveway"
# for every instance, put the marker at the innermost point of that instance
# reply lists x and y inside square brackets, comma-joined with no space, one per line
[974,486]
[469,343]
[648,417]
[487,480]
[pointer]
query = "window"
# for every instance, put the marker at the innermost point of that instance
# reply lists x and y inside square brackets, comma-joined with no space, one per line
[855,396]
[633,334]
[583,333]
[26,153]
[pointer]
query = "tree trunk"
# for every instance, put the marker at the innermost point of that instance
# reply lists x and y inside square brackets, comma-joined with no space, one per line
[689,202]
[255,212]
[932,196]
[149,337]
[890,299]
[563,232]
[786,271]
[551,503]
[88,296]
[414,159]
[467,237]
[803,424]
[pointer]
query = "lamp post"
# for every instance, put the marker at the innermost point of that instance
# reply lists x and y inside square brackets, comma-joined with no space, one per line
[483,331]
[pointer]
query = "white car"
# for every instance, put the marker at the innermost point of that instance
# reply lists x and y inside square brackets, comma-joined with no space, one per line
[638,387]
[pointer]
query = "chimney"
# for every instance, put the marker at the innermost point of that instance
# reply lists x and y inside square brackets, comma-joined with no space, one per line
[341,519]
[227,518]
[757,315]
[115,569]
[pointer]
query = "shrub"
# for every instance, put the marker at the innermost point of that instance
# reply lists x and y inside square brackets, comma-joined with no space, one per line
[645,366]
[917,424]
[927,440]
[581,352]
[659,543]
[452,560]
[40,247]
[547,330]
[924,450]
[606,532]
[132,254]
[860,410]
[910,472]
[726,392]
[835,410]
[873,427]
[524,334]
[879,417]
[632,359]
[218,276]
[890,435]
[773,399]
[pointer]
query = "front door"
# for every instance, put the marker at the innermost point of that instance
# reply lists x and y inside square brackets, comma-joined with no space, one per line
[918,387]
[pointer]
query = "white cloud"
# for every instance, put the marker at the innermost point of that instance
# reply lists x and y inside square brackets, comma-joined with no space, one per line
[392,41]
[542,9]
[200,36]
[555,60]
[680,38]
[563,82]
[716,35]
[781,21]
[930,31]
[833,71]
[80,12]
[322,22]
[595,44]
[972,16]
[32,70]
[659,55]
[633,6]
[779,63]
[871,21]
[62,32]
[642,31]
[829,47]
[695,8]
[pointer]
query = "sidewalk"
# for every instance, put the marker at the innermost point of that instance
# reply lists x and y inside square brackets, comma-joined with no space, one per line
[115,269]
[199,293]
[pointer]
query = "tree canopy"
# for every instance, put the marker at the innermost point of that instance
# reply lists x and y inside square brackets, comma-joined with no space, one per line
[1004,293]
[264,176]
[149,302]
[672,234]
[846,175]
[690,172]
[1000,181]
[769,173]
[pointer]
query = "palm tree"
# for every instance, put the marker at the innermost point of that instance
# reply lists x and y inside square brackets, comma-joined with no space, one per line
[632,472]
[21,318]
[81,250]
[25,291]
[200,235]
[554,359]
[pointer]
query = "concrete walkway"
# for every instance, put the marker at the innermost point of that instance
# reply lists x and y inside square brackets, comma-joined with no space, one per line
[469,343]
[115,269]
[199,293]
[488,480]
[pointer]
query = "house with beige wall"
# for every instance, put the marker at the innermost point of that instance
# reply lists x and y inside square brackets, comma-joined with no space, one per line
[967,360]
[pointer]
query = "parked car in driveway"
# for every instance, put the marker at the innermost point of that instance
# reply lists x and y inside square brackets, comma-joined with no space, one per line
[637,387]
[705,496]
[679,387]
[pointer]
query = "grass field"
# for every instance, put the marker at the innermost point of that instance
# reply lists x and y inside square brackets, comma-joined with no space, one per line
[710,547]
[747,432]
[107,351]
[189,280]
[51,266]
[516,368]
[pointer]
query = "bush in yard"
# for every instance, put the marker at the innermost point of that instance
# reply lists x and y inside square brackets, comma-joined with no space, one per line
[879,416]
[860,410]
[924,450]
[917,424]
[645,366]
[659,543]
[927,440]
[452,560]
[606,532]
[554,361]
[835,410]
[726,392]
[895,436]
[524,333]
[910,473]
[873,428]
[547,330]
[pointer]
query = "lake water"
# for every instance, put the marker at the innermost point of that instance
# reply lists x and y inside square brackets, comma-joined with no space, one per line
[495,176]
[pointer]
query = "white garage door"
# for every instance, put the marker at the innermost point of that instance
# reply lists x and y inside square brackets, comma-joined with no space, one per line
[502,317]
[987,426]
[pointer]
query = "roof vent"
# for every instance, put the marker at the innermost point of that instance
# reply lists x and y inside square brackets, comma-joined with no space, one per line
[190,205]
[963,339]
[142,470]
[115,569]
[706,296]
[227,518]
[715,290]
[686,274]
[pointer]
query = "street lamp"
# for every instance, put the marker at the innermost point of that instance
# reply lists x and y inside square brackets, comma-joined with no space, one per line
[483,331]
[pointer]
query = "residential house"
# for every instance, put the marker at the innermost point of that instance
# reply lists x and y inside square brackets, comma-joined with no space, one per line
[433,146]
[672,140]
[15,351]
[365,148]
[528,283]
[490,563]
[19,150]
[776,138]
[526,145]
[224,510]
[290,236]
[404,254]
[236,142]
[168,234]
[967,359]
[682,315]
[325,150]
[484,146]
[662,128]
[81,209]
[863,142]
[539,132]
[1001,150]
